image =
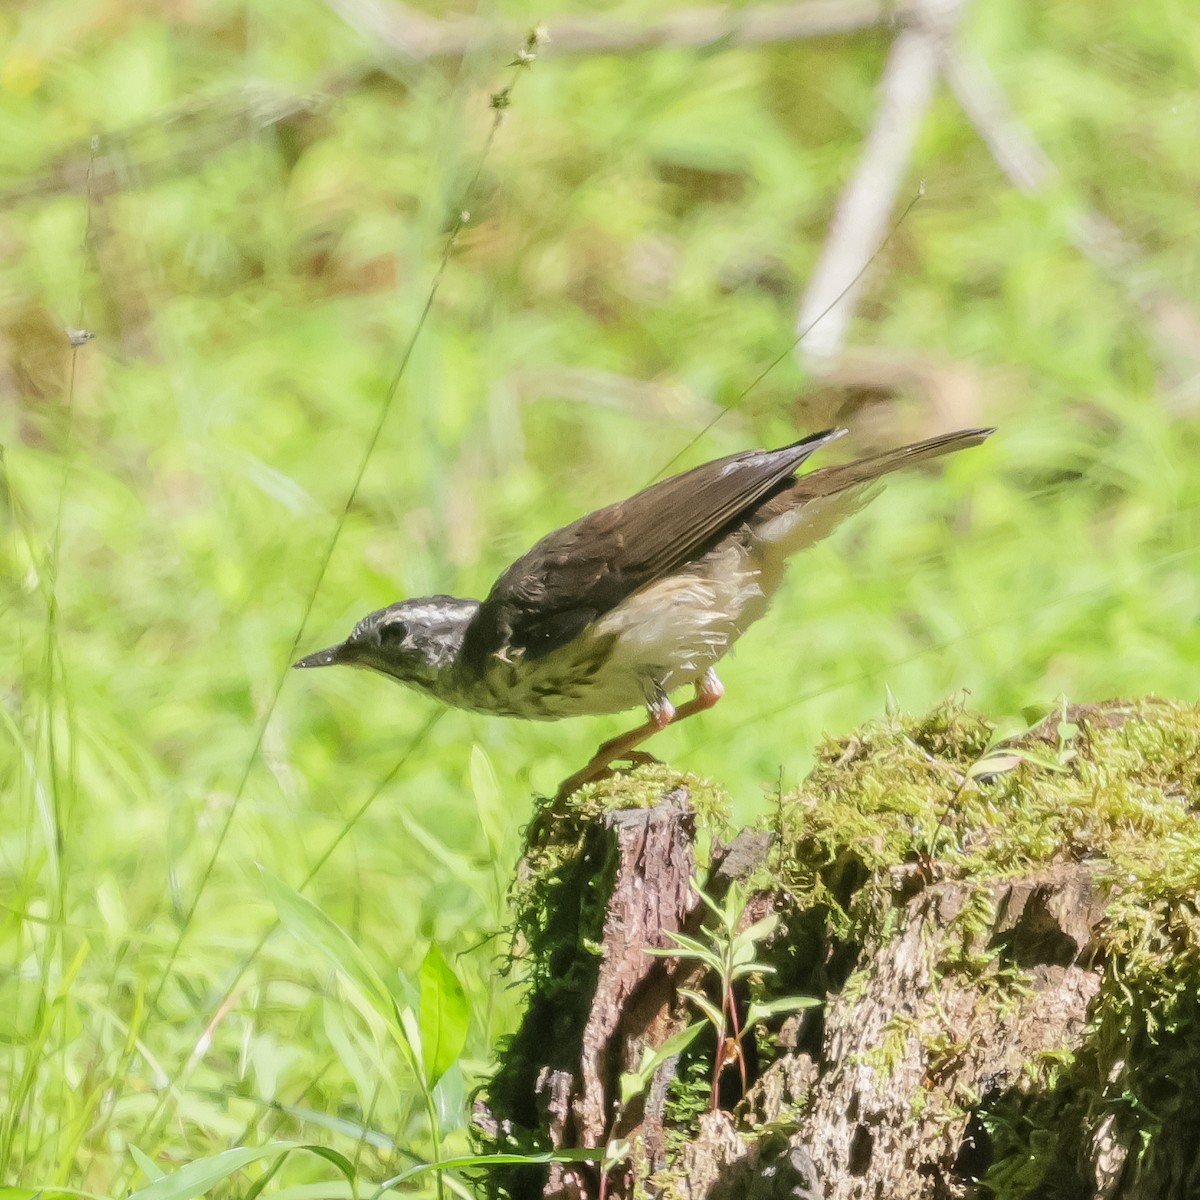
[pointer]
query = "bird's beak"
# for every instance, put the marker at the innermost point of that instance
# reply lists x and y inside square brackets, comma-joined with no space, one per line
[329,657]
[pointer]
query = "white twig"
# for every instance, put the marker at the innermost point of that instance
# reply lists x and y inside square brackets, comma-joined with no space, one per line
[860,221]
[1012,145]
[414,35]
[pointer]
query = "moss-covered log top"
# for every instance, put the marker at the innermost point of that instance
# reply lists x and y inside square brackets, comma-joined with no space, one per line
[1005,932]
[1117,782]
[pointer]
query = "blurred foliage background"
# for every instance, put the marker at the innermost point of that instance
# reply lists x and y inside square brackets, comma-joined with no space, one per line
[252,238]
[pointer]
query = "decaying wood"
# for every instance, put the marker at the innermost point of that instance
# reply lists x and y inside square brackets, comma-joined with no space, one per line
[973,1019]
[645,857]
[631,1007]
[917,1030]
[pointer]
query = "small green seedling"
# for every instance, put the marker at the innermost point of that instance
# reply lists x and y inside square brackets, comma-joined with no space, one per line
[731,954]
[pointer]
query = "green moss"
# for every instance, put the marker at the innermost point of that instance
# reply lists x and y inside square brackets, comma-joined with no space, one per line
[688,1096]
[1116,785]
[901,788]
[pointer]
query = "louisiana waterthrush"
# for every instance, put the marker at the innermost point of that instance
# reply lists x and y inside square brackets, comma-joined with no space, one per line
[631,602]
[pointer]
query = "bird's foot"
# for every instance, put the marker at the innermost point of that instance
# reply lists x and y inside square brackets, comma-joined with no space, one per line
[709,689]
[590,774]
[641,758]
[601,767]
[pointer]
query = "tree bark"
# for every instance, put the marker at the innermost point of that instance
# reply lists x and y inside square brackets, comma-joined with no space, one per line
[1019,1017]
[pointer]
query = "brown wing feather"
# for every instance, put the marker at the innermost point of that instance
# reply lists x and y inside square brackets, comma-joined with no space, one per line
[578,573]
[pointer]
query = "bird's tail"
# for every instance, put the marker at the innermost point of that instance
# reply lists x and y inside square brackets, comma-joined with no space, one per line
[813,505]
[828,481]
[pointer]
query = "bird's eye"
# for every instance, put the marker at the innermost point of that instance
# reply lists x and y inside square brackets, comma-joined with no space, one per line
[393,632]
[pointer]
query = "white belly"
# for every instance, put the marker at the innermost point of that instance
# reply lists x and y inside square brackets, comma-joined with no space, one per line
[670,633]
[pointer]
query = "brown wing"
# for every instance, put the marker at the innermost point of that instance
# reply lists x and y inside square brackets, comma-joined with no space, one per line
[576,574]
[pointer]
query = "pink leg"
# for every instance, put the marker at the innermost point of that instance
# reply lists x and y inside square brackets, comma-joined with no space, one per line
[709,689]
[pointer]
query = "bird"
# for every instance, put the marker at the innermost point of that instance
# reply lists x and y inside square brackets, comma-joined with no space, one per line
[630,603]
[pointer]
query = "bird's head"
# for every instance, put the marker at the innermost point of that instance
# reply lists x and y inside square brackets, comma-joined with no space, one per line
[413,641]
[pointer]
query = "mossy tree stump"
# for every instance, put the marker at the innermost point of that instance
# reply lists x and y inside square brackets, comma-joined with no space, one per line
[1006,939]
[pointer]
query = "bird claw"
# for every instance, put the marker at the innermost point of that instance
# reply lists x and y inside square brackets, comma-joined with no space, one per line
[640,758]
[596,771]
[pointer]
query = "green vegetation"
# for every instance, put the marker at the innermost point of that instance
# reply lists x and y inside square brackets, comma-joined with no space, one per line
[1125,801]
[1126,793]
[640,235]
[1113,787]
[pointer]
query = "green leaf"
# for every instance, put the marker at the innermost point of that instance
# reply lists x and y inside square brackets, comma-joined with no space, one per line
[203,1174]
[679,952]
[43,1193]
[305,921]
[742,970]
[631,1084]
[485,786]
[485,1160]
[735,905]
[146,1164]
[760,929]
[410,1026]
[708,902]
[450,1099]
[706,1006]
[993,764]
[338,1159]
[677,1043]
[760,1011]
[1046,762]
[690,943]
[743,956]
[1006,729]
[617,1150]
[687,947]
[445,1015]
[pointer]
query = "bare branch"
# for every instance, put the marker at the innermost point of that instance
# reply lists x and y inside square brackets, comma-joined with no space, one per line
[173,143]
[861,219]
[202,128]
[414,35]
[1012,145]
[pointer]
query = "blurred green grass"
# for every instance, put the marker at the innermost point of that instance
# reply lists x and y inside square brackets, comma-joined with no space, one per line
[643,231]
